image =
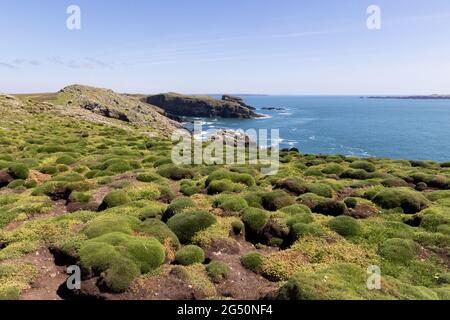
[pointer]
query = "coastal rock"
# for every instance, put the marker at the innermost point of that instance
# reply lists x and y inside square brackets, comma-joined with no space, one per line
[232,137]
[200,106]
[274,109]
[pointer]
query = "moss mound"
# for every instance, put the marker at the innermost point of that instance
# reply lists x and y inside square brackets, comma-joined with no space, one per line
[345,226]
[122,257]
[189,187]
[190,255]
[357,174]
[115,199]
[296,209]
[67,160]
[351,202]
[177,206]
[348,282]
[217,271]
[320,189]
[110,223]
[230,203]
[292,185]
[120,275]
[252,261]
[276,200]
[243,178]
[399,250]
[147,177]
[299,218]
[300,229]
[237,227]
[254,220]
[331,208]
[333,169]
[158,229]
[364,165]
[151,210]
[409,200]
[186,224]
[175,173]
[220,186]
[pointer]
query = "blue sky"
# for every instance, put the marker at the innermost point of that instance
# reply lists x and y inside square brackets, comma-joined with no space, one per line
[233,46]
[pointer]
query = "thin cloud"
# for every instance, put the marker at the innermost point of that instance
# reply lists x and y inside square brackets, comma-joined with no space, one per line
[86,63]
[7,65]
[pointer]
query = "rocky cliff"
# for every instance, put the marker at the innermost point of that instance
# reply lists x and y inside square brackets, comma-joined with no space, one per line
[202,106]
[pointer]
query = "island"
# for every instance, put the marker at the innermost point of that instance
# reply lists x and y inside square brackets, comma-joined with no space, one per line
[419,97]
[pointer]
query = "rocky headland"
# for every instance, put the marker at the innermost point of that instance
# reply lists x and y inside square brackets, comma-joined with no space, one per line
[202,106]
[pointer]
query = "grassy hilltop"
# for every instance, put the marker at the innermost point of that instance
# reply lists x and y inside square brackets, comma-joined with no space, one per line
[86,179]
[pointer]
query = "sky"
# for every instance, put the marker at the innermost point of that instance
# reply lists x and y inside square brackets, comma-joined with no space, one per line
[304,47]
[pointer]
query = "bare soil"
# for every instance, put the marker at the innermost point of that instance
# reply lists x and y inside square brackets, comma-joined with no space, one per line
[49,279]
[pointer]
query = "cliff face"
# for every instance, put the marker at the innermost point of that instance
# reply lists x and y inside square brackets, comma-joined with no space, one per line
[196,106]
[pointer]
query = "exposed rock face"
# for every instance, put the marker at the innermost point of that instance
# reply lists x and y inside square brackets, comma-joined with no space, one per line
[195,106]
[110,104]
[235,99]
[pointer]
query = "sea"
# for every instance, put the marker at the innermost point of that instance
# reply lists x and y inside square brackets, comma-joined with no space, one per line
[350,125]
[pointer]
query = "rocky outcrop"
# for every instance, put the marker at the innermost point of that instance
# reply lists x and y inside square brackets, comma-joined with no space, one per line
[201,106]
[110,104]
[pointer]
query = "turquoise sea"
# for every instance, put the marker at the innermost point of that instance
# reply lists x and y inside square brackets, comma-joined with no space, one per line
[350,125]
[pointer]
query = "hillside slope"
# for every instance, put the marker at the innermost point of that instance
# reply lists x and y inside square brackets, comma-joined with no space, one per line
[112,105]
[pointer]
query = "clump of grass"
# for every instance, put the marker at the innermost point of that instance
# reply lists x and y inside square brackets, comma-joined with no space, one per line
[19,171]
